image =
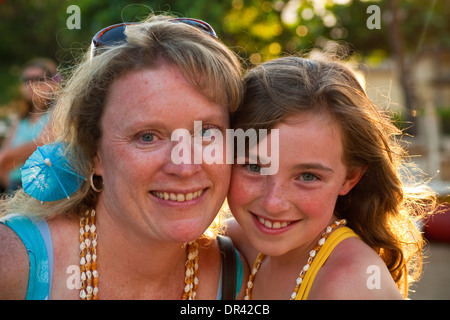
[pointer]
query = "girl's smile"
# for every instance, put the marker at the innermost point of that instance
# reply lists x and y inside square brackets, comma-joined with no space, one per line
[269,226]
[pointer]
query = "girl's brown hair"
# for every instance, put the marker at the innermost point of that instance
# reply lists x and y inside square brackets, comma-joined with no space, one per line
[380,208]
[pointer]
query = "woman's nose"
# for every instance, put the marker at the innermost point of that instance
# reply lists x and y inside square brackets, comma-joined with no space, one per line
[181,161]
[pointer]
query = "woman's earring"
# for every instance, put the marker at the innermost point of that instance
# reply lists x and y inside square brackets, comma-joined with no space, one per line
[93,184]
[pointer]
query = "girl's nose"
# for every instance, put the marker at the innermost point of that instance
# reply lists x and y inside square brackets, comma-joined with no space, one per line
[275,198]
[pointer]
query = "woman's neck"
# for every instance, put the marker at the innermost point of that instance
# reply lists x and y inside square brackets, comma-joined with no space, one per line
[125,260]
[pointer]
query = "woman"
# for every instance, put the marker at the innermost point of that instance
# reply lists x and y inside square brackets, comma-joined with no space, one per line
[339,165]
[136,227]
[37,86]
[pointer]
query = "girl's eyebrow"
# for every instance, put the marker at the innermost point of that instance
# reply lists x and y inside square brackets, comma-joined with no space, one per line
[313,166]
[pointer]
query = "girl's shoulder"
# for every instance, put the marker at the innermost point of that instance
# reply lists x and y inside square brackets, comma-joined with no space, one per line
[354,271]
[240,240]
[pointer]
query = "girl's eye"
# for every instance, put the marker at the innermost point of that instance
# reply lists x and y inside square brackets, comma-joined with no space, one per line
[308,177]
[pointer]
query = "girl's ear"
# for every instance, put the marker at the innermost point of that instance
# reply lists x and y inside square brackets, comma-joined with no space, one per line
[351,180]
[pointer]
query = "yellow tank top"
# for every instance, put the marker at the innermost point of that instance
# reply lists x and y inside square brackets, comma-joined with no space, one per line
[332,241]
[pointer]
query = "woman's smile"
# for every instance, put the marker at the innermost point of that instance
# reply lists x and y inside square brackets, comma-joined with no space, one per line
[177,196]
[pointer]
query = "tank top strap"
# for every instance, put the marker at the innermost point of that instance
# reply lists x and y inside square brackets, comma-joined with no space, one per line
[36,238]
[332,241]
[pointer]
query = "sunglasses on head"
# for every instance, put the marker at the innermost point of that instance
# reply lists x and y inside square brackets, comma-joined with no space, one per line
[115,34]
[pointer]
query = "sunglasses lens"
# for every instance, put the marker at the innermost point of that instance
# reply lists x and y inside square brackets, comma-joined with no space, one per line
[199,24]
[111,35]
[115,34]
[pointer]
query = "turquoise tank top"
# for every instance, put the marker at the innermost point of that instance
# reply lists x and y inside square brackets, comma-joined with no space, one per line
[26,132]
[36,237]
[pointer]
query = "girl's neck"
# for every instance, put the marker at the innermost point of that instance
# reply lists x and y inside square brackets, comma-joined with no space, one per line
[295,258]
[300,254]
[279,273]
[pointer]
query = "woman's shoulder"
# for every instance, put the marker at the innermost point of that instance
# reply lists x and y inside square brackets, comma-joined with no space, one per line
[354,271]
[14,265]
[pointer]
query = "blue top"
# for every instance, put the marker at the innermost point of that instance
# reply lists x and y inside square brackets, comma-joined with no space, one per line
[26,132]
[37,240]
[36,237]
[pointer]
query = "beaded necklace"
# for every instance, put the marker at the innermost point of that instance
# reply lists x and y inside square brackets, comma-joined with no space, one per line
[312,255]
[88,262]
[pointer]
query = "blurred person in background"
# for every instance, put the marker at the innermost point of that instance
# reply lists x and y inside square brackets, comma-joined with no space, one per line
[27,131]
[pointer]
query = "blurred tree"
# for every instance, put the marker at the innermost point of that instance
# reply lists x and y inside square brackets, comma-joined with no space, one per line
[33,28]
[258,30]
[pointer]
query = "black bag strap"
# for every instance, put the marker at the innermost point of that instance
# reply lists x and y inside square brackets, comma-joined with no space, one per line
[229,268]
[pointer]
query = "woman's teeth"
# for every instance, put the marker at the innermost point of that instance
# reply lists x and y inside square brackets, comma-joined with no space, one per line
[274,224]
[180,197]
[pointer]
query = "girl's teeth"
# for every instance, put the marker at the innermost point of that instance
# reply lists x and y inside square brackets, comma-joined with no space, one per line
[273,225]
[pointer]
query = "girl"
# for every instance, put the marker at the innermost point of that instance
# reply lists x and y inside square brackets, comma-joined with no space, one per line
[335,221]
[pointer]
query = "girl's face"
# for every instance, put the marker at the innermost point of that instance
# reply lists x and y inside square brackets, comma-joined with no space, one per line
[143,188]
[288,210]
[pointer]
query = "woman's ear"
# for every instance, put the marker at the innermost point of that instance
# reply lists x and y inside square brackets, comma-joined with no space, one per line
[98,165]
[352,179]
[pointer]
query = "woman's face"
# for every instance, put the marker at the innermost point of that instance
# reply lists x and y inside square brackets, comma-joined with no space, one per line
[288,210]
[143,188]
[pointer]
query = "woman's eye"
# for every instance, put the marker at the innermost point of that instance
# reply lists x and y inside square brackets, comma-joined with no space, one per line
[147,137]
[206,132]
[308,177]
[209,132]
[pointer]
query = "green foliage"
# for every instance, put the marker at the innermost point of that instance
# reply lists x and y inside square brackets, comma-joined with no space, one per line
[258,30]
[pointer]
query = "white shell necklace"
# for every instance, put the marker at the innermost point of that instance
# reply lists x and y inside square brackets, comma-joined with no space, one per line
[88,262]
[312,255]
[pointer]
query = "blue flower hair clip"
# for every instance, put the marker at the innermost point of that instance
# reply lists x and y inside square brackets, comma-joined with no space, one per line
[47,174]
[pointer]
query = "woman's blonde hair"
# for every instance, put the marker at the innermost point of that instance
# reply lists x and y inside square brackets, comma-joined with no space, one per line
[380,208]
[205,62]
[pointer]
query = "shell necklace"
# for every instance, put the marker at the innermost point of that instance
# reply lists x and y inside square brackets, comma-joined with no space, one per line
[88,262]
[312,255]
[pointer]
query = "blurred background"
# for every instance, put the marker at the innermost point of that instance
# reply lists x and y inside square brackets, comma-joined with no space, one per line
[399,48]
